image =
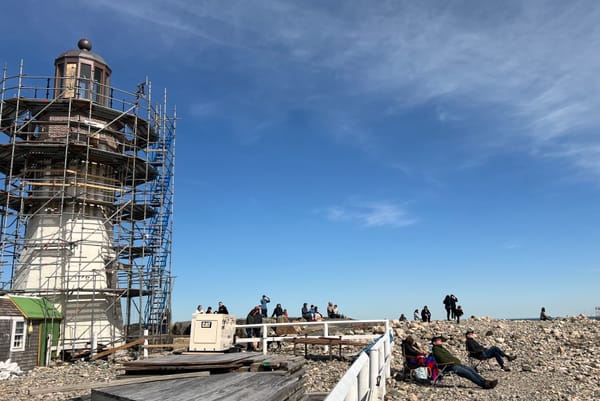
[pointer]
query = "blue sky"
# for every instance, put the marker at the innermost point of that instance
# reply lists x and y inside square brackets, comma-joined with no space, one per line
[376,154]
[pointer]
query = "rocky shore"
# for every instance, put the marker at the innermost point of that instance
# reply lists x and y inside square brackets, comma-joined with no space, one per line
[556,360]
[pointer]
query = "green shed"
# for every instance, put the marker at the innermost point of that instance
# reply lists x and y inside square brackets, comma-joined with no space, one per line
[43,324]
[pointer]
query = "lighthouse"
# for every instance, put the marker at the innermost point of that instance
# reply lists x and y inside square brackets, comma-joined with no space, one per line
[87,198]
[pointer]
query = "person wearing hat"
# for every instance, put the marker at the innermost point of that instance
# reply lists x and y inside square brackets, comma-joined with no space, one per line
[478,351]
[445,359]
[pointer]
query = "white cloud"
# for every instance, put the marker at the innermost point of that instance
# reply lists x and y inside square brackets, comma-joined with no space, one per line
[372,214]
[531,65]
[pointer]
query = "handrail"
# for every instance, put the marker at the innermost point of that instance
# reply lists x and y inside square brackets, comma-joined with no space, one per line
[265,338]
[366,378]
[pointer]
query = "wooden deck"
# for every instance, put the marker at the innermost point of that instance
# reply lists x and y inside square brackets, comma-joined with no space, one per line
[229,386]
[191,362]
[243,376]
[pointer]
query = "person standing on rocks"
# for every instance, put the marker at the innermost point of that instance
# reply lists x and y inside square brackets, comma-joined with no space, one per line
[478,351]
[251,319]
[458,313]
[264,300]
[453,302]
[445,358]
[277,312]
[447,306]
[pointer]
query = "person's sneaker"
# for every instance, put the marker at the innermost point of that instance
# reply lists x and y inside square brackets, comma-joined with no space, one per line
[506,368]
[489,384]
[511,357]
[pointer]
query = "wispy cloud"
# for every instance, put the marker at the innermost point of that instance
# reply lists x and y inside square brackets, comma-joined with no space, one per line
[512,244]
[532,66]
[372,214]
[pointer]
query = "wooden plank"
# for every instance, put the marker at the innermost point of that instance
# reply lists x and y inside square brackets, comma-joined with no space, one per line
[228,386]
[228,366]
[121,347]
[195,359]
[136,380]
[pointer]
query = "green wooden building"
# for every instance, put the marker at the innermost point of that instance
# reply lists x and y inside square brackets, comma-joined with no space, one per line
[29,329]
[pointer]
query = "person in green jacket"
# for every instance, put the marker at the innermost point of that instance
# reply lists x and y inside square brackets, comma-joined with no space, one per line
[445,359]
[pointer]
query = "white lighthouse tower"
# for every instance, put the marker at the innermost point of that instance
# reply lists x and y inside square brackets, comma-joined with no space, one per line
[87,198]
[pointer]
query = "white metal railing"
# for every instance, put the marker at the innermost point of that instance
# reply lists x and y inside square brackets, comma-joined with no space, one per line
[265,338]
[366,378]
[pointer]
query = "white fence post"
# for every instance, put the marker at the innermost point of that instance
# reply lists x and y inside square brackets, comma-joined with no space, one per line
[363,382]
[373,368]
[352,394]
[265,344]
[145,343]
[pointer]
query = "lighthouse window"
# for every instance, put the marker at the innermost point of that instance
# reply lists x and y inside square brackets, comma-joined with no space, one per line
[85,76]
[98,88]
[67,84]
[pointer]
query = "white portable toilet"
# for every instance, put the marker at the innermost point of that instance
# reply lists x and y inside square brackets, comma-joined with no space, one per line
[212,332]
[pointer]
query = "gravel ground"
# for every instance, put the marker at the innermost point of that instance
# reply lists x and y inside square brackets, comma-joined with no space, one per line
[557,360]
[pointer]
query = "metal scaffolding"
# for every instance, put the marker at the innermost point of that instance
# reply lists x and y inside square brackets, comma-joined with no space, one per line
[87,199]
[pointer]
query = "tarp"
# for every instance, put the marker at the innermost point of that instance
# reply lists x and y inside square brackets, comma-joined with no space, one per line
[36,308]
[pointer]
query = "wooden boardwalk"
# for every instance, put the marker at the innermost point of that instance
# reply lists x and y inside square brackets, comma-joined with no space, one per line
[249,376]
[193,361]
[235,386]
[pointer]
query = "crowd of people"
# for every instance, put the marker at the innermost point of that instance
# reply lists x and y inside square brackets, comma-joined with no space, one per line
[311,313]
[438,360]
[453,311]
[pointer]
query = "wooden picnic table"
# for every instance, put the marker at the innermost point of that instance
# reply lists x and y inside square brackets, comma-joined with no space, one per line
[328,341]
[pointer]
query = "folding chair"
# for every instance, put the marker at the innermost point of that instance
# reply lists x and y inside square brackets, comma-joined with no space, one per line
[443,373]
[409,365]
[412,363]
[476,360]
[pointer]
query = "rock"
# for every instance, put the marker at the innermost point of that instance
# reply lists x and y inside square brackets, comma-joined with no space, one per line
[547,368]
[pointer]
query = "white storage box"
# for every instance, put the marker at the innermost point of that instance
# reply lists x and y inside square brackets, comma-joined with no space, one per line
[212,332]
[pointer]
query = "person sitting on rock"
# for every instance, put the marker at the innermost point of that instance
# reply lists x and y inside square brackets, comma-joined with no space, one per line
[478,351]
[544,315]
[330,310]
[426,314]
[306,315]
[447,361]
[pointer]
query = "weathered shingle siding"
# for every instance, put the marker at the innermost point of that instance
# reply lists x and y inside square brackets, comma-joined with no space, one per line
[5,330]
[27,359]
